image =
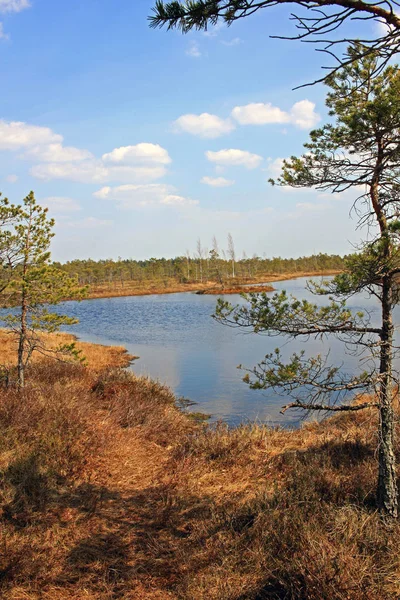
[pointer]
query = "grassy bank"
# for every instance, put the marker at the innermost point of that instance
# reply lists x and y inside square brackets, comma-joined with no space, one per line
[108,491]
[237,289]
[172,285]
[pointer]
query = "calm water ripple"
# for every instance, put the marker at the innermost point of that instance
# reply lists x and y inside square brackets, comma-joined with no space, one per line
[180,344]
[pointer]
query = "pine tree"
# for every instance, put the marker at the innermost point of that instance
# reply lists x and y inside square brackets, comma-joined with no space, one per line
[36,286]
[9,242]
[319,24]
[361,149]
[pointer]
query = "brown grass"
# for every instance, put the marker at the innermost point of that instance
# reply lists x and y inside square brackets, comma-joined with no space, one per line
[240,289]
[173,286]
[98,356]
[108,491]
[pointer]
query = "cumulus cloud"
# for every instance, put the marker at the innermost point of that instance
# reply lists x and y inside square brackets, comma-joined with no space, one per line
[95,171]
[12,178]
[16,135]
[61,204]
[217,181]
[13,5]
[204,125]
[301,115]
[233,157]
[143,162]
[259,114]
[141,153]
[136,196]
[58,153]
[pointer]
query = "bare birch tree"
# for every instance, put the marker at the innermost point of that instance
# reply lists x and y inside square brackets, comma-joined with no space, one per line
[231,253]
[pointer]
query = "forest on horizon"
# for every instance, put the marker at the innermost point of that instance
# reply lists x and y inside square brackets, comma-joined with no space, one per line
[189,268]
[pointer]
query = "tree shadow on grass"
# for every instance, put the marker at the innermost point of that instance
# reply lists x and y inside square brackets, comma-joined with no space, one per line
[153,535]
[140,538]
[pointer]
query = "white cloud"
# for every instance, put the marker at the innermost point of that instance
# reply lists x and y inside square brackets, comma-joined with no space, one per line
[12,178]
[274,167]
[217,181]
[143,153]
[88,172]
[259,114]
[193,50]
[58,153]
[302,114]
[234,42]
[234,157]
[94,171]
[382,27]
[13,5]
[140,163]
[135,196]
[60,204]
[204,125]
[15,135]
[9,6]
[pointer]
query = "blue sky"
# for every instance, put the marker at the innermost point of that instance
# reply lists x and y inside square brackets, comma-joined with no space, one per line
[142,141]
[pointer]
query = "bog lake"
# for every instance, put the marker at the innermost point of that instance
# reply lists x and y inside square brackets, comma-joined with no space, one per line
[179,344]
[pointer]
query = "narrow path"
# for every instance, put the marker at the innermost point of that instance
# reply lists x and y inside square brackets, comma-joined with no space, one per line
[124,547]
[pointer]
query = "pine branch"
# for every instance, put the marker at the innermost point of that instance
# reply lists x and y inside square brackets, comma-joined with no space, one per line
[328,408]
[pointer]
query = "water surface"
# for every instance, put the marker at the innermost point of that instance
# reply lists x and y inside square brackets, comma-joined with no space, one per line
[181,345]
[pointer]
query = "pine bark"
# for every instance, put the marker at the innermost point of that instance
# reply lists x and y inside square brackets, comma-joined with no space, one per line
[21,343]
[387,482]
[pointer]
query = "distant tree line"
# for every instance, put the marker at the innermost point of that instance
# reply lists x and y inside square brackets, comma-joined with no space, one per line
[203,265]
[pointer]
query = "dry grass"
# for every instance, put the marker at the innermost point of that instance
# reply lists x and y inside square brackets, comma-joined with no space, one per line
[108,491]
[172,285]
[98,357]
[237,289]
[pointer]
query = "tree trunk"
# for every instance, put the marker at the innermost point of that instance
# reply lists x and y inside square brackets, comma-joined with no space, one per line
[387,484]
[21,342]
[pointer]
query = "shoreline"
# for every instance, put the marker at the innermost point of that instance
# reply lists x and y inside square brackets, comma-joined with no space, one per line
[110,490]
[204,288]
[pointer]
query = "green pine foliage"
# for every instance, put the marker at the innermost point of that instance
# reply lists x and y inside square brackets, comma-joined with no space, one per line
[359,150]
[33,284]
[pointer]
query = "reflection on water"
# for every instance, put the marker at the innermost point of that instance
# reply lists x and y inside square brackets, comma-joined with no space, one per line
[178,343]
